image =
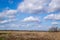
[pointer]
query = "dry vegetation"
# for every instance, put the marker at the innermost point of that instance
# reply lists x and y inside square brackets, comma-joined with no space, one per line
[19,35]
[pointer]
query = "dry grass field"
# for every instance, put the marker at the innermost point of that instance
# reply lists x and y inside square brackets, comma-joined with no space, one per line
[25,35]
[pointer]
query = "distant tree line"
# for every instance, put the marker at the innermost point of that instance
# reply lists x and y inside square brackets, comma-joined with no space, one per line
[54,29]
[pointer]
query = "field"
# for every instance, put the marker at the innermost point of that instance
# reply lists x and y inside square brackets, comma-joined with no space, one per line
[29,35]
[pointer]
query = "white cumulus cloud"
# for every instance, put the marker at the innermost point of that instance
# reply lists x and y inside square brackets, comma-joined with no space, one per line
[33,6]
[31,19]
[38,6]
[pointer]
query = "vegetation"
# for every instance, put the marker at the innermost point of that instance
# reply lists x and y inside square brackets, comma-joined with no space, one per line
[19,35]
[53,29]
[52,34]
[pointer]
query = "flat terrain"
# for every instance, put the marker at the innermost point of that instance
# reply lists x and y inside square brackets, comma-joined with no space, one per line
[27,35]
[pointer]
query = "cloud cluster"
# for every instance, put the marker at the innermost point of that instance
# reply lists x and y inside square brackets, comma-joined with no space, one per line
[38,6]
[7,16]
[31,6]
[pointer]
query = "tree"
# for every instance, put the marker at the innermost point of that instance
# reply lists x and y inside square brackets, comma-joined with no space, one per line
[53,29]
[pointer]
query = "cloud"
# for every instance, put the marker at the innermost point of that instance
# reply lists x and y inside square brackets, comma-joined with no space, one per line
[7,21]
[52,17]
[11,13]
[54,23]
[33,6]
[8,12]
[39,6]
[20,26]
[11,26]
[31,19]
[54,5]
[3,21]
[7,16]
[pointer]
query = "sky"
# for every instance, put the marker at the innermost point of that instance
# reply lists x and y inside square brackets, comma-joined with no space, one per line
[29,14]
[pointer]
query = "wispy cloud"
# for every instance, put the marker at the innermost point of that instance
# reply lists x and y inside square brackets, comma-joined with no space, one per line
[54,23]
[53,17]
[54,5]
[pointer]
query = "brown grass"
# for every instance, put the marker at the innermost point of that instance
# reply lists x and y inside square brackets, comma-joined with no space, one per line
[17,35]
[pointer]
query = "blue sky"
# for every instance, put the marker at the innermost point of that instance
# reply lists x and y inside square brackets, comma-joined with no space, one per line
[29,14]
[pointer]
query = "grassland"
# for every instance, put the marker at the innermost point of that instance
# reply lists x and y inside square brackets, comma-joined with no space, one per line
[27,35]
